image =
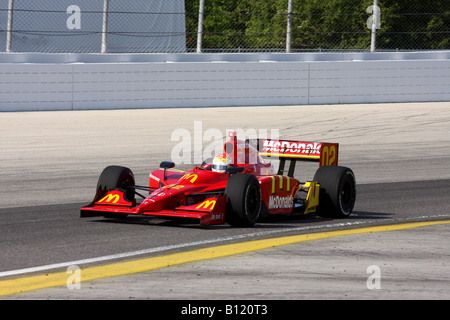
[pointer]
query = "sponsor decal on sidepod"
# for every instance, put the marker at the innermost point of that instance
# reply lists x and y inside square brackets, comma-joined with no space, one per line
[277,202]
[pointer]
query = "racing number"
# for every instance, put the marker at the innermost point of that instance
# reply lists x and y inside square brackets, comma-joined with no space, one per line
[328,155]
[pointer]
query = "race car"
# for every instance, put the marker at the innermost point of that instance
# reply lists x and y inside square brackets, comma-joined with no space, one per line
[238,186]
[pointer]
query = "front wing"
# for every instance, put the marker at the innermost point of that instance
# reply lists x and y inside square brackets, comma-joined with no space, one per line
[209,211]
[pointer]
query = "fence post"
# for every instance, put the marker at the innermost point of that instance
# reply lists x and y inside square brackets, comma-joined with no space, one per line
[289,26]
[104,26]
[201,12]
[375,25]
[9,25]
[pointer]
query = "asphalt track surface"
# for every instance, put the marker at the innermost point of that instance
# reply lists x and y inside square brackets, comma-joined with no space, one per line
[400,154]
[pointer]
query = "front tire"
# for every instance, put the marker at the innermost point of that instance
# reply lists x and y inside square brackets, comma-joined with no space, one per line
[116,178]
[337,191]
[243,200]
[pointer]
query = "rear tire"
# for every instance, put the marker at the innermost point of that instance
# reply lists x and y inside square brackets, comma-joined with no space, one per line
[243,200]
[337,191]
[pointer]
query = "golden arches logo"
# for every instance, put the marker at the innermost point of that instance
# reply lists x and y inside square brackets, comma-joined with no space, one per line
[207,204]
[280,183]
[111,198]
[191,177]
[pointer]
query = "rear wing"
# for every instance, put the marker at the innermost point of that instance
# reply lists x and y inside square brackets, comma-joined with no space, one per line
[323,152]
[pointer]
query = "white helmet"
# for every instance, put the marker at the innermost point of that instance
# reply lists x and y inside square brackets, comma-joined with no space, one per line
[221,163]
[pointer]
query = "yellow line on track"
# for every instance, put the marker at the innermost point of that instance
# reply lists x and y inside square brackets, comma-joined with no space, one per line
[48,280]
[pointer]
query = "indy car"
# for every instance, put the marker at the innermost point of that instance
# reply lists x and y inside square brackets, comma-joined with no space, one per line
[238,186]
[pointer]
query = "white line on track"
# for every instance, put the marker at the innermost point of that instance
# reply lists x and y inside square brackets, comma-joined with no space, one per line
[203,242]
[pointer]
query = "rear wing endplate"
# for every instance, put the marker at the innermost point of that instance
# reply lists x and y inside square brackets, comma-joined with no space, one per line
[323,152]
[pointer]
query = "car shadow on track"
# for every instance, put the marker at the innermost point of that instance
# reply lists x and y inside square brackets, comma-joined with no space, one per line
[370,215]
[270,222]
[315,218]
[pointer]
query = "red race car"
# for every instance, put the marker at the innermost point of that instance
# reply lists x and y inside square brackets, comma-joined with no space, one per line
[237,186]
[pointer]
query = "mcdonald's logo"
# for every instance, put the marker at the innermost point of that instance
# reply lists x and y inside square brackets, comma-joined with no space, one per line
[207,204]
[191,177]
[110,198]
[280,183]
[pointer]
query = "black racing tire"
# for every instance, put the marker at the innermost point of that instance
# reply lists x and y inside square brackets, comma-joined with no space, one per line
[243,200]
[116,178]
[337,191]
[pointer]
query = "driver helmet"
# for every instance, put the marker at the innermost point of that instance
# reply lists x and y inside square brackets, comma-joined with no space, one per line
[221,163]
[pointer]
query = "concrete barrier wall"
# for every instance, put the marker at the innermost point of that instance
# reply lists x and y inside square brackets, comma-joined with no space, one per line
[32,82]
[379,81]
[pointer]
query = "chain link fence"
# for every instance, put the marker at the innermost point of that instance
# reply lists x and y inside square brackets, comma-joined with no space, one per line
[92,26]
[165,26]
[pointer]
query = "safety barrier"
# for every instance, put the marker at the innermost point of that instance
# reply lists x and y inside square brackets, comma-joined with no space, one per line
[34,82]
